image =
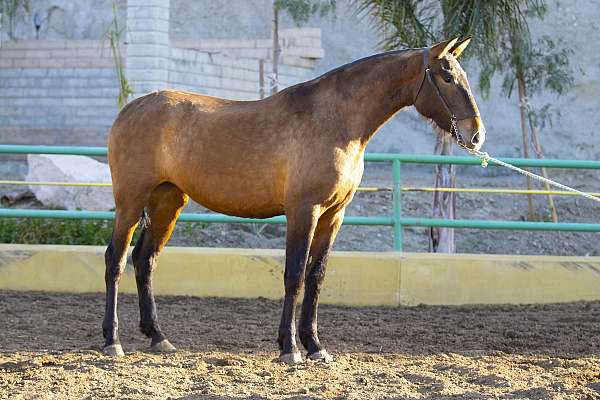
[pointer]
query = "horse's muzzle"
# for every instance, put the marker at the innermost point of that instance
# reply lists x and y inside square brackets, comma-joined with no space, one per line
[471,133]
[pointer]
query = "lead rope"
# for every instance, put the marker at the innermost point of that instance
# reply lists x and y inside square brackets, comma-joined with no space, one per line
[486,158]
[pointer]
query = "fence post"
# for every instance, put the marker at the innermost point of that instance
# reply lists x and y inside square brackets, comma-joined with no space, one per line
[397,201]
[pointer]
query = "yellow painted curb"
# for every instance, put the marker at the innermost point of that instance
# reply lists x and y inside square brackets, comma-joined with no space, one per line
[495,279]
[353,278]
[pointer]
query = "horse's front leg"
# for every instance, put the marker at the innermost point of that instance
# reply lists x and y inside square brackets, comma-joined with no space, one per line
[301,224]
[325,233]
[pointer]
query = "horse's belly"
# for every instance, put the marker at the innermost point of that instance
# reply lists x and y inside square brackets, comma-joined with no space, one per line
[238,201]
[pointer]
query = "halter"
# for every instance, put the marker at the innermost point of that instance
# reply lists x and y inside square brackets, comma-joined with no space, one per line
[453,118]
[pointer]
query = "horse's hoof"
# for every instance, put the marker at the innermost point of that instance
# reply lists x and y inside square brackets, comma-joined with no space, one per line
[114,350]
[291,358]
[321,355]
[163,347]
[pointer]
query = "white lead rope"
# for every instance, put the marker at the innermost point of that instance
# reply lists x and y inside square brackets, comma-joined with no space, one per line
[485,158]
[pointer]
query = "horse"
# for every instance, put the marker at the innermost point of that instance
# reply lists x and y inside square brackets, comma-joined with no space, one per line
[297,153]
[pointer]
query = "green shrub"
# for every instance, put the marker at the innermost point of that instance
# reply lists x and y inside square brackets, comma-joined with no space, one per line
[55,231]
[81,232]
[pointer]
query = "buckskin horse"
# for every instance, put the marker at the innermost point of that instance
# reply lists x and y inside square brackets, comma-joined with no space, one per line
[298,153]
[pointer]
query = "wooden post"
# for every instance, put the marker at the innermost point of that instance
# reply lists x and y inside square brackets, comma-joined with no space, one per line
[525,134]
[441,240]
[261,78]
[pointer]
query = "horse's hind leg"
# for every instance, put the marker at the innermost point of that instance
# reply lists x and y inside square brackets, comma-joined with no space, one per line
[126,220]
[166,201]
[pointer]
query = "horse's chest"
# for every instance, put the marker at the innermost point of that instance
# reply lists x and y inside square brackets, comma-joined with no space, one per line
[348,178]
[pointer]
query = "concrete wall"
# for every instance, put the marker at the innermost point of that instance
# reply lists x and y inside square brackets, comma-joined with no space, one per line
[353,278]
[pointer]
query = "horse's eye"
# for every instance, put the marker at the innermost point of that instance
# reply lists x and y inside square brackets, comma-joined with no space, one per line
[447,78]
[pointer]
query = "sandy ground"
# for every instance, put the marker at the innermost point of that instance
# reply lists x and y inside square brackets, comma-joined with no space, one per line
[49,349]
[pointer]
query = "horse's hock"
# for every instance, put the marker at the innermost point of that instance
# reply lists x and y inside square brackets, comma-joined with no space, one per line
[65,91]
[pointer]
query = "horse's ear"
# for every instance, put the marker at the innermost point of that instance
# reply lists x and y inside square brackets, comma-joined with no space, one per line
[460,47]
[439,50]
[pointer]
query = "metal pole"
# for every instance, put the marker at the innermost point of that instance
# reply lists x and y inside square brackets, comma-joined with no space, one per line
[397,201]
[371,157]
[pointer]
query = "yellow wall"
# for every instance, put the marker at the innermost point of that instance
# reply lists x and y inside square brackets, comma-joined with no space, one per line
[353,278]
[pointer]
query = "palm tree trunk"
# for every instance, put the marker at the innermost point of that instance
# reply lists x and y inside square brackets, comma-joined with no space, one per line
[525,133]
[441,240]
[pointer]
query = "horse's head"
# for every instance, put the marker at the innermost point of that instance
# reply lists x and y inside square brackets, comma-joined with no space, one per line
[445,97]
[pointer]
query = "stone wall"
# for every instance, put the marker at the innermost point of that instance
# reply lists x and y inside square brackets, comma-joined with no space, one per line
[300,47]
[225,76]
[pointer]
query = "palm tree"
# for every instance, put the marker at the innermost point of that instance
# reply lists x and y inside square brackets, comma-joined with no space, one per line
[502,46]
[505,46]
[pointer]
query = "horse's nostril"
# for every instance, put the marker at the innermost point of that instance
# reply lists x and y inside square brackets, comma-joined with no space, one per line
[475,138]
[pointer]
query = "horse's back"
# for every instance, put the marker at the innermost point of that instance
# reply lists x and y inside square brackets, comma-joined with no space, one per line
[156,108]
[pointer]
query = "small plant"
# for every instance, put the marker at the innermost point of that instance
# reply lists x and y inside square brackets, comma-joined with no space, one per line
[77,232]
[257,229]
[114,34]
[9,11]
[190,230]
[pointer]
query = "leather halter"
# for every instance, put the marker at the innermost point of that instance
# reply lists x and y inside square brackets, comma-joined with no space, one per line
[453,119]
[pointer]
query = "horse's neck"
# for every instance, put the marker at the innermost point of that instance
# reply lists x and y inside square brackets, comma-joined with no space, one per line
[379,87]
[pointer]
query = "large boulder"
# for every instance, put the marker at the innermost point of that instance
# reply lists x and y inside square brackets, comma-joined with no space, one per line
[59,168]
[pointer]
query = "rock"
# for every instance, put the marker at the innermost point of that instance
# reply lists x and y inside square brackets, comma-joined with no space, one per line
[59,168]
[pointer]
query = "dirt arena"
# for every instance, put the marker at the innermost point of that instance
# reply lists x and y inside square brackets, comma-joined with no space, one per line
[49,349]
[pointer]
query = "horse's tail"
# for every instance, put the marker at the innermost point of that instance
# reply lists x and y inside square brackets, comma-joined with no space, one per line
[144,219]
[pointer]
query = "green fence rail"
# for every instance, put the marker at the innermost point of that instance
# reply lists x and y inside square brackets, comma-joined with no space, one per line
[396,221]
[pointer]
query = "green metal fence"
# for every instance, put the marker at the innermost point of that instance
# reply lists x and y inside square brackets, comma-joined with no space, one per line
[396,221]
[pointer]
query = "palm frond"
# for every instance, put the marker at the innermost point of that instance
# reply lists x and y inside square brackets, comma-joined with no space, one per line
[401,23]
